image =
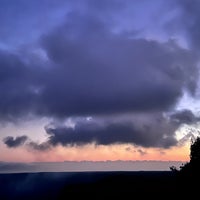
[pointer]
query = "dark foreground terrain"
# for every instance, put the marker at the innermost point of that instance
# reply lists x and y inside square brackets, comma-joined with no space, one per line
[93,185]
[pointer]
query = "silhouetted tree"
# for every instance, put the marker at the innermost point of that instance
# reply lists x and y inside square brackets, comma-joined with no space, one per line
[192,168]
[188,176]
[195,151]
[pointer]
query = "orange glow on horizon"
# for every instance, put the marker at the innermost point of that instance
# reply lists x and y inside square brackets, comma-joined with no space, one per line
[95,153]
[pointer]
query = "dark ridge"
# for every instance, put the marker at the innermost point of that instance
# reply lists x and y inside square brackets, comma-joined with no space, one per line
[62,185]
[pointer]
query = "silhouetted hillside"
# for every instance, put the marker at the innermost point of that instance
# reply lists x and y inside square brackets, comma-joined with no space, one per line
[90,184]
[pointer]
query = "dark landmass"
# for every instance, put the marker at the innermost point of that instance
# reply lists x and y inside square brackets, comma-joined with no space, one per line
[91,185]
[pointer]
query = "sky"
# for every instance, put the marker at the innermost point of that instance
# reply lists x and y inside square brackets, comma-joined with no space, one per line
[98,80]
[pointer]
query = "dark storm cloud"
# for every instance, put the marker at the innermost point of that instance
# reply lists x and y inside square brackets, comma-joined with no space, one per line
[89,67]
[151,131]
[184,116]
[15,142]
[19,86]
[146,130]
[112,73]
[12,142]
[118,76]
[90,70]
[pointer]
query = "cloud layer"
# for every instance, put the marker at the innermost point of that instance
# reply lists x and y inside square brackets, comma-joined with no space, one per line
[89,64]
[108,72]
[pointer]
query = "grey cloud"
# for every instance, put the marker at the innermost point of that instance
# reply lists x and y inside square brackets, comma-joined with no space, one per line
[152,131]
[15,142]
[115,74]
[118,76]
[19,86]
[146,130]
[110,72]
[184,116]
[12,142]
[91,70]
[38,146]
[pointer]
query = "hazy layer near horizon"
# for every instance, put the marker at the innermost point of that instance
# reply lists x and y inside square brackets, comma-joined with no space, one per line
[74,166]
